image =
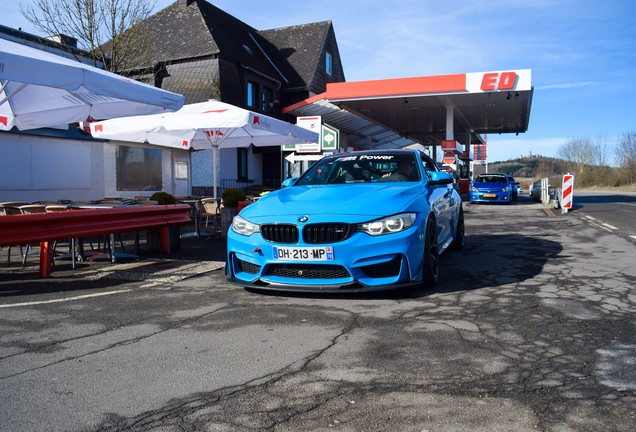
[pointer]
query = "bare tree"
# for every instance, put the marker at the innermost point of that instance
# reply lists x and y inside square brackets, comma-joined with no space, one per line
[601,172]
[109,29]
[544,168]
[627,156]
[600,152]
[578,153]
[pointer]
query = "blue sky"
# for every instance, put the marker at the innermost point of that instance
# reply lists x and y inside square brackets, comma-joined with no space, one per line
[582,53]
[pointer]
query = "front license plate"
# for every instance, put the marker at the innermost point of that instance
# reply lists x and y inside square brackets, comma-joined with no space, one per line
[490,195]
[303,253]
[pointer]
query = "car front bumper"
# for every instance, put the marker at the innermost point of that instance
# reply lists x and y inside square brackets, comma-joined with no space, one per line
[360,263]
[490,196]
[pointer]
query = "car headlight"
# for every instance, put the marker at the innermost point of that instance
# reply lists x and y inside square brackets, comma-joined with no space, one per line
[388,225]
[504,189]
[244,227]
[474,189]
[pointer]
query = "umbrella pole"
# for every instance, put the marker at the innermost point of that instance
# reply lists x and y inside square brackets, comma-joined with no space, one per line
[216,142]
[215,157]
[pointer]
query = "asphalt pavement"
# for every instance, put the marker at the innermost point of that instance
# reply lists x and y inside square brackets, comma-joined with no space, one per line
[531,328]
[190,256]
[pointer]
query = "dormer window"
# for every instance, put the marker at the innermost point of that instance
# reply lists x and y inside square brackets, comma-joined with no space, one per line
[328,66]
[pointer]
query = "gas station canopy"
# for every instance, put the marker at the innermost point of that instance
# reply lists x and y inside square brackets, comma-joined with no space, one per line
[425,110]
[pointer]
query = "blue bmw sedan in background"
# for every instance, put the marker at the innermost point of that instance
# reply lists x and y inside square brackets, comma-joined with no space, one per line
[360,221]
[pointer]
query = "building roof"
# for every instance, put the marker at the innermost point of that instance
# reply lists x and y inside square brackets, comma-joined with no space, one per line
[194,29]
[49,44]
[402,111]
[298,50]
[169,38]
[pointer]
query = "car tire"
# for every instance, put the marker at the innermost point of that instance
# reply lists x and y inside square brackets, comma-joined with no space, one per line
[460,232]
[430,263]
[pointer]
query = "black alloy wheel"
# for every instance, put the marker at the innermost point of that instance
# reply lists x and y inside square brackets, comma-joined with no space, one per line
[431,255]
[458,243]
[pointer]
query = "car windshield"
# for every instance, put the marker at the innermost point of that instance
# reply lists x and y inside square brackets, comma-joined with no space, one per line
[491,179]
[362,168]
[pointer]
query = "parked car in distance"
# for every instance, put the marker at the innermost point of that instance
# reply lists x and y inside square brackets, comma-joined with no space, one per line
[362,221]
[535,190]
[514,188]
[493,187]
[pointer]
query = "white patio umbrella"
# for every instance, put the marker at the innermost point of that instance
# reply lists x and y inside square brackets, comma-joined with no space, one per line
[204,125]
[40,89]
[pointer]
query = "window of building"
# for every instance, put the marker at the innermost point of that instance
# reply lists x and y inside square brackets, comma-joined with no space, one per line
[138,169]
[241,169]
[266,100]
[328,63]
[252,94]
[181,170]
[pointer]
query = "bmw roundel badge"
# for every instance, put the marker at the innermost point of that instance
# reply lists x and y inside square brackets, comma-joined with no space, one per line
[303,219]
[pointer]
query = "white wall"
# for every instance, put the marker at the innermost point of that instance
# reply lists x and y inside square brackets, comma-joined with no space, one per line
[34,168]
[167,172]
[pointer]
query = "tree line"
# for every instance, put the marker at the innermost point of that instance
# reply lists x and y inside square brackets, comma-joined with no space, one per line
[597,162]
[593,161]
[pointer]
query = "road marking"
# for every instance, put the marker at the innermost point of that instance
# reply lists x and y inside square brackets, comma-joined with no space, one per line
[67,299]
[629,204]
[600,225]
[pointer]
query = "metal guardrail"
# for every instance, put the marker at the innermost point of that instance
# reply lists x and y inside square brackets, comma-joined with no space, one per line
[44,228]
[542,191]
[536,189]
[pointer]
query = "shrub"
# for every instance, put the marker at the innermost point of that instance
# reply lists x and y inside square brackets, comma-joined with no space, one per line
[163,198]
[232,196]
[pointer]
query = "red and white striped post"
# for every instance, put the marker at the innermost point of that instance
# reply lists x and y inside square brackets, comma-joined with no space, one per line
[567,192]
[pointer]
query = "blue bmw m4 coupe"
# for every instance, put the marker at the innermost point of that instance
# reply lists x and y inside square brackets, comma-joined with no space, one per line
[362,221]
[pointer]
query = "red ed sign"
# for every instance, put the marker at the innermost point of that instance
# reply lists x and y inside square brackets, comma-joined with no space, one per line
[498,81]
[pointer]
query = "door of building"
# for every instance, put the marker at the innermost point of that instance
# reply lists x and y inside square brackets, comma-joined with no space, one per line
[181,170]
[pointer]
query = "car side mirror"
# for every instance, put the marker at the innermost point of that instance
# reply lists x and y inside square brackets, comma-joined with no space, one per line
[440,178]
[289,182]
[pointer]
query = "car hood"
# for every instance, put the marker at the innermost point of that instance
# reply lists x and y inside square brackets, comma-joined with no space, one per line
[357,199]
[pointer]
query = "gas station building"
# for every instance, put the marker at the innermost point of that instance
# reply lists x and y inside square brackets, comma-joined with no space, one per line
[452,112]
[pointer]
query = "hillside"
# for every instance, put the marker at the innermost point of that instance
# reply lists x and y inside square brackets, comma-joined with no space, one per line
[527,167]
